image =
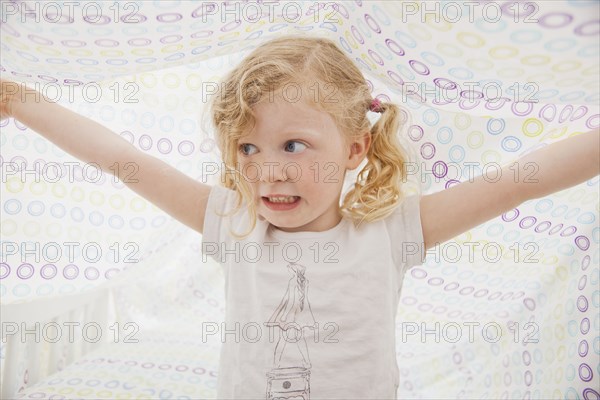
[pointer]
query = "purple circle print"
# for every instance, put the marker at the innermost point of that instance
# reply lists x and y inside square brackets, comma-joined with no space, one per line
[585,372]
[555,20]
[4,270]
[419,67]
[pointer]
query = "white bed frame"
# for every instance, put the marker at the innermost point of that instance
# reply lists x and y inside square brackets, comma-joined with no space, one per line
[36,356]
[40,359]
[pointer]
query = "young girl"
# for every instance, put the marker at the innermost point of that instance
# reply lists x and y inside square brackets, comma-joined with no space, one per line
[279,210]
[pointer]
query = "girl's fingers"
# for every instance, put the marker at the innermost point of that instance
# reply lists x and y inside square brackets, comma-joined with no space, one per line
[7,92]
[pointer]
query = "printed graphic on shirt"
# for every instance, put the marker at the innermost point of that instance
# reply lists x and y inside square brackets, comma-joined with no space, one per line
[292,319]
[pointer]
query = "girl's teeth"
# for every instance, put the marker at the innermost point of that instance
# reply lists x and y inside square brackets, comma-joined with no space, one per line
[289,199]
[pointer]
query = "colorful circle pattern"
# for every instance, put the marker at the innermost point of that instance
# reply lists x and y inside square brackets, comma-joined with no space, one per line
[474,95]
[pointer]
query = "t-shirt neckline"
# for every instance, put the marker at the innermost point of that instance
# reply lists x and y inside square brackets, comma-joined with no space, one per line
[308,234]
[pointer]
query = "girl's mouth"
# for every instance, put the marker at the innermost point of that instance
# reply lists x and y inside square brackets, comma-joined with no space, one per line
[281,203]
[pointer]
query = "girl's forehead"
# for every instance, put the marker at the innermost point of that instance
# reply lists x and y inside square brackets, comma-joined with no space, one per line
[284,116]
[288,106]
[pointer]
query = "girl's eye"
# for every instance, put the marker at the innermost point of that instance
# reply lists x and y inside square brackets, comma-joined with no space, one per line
[290,145]
[244,148]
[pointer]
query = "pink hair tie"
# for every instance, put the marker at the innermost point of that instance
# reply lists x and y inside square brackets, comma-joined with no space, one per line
[376,106]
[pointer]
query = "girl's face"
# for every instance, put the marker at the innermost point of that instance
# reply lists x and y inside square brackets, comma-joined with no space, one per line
[296,150]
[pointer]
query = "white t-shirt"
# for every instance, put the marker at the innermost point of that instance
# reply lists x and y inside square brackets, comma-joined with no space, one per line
[310,313]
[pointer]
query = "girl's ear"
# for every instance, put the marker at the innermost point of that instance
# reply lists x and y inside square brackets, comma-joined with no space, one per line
[358,150]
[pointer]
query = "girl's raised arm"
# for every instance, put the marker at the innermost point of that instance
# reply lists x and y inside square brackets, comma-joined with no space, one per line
[172,191]
[448,213]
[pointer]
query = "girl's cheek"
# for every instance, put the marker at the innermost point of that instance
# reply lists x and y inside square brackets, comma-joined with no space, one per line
[295,174]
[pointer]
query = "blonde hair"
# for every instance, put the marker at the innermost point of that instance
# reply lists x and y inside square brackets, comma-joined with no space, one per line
[309,62]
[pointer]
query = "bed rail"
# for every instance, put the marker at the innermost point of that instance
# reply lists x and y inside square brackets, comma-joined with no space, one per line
[45,335]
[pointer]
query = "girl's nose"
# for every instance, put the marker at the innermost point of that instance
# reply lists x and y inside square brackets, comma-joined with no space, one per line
[272,171]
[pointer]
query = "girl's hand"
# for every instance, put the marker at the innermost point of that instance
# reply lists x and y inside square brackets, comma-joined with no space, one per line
[7,92]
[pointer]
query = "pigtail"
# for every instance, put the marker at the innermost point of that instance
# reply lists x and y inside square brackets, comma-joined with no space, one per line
[377,189]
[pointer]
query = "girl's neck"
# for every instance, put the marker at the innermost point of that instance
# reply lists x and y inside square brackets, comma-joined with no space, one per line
[323,223]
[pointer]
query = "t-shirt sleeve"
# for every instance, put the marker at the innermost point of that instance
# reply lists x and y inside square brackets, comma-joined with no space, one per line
[215,233]
[406,234]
